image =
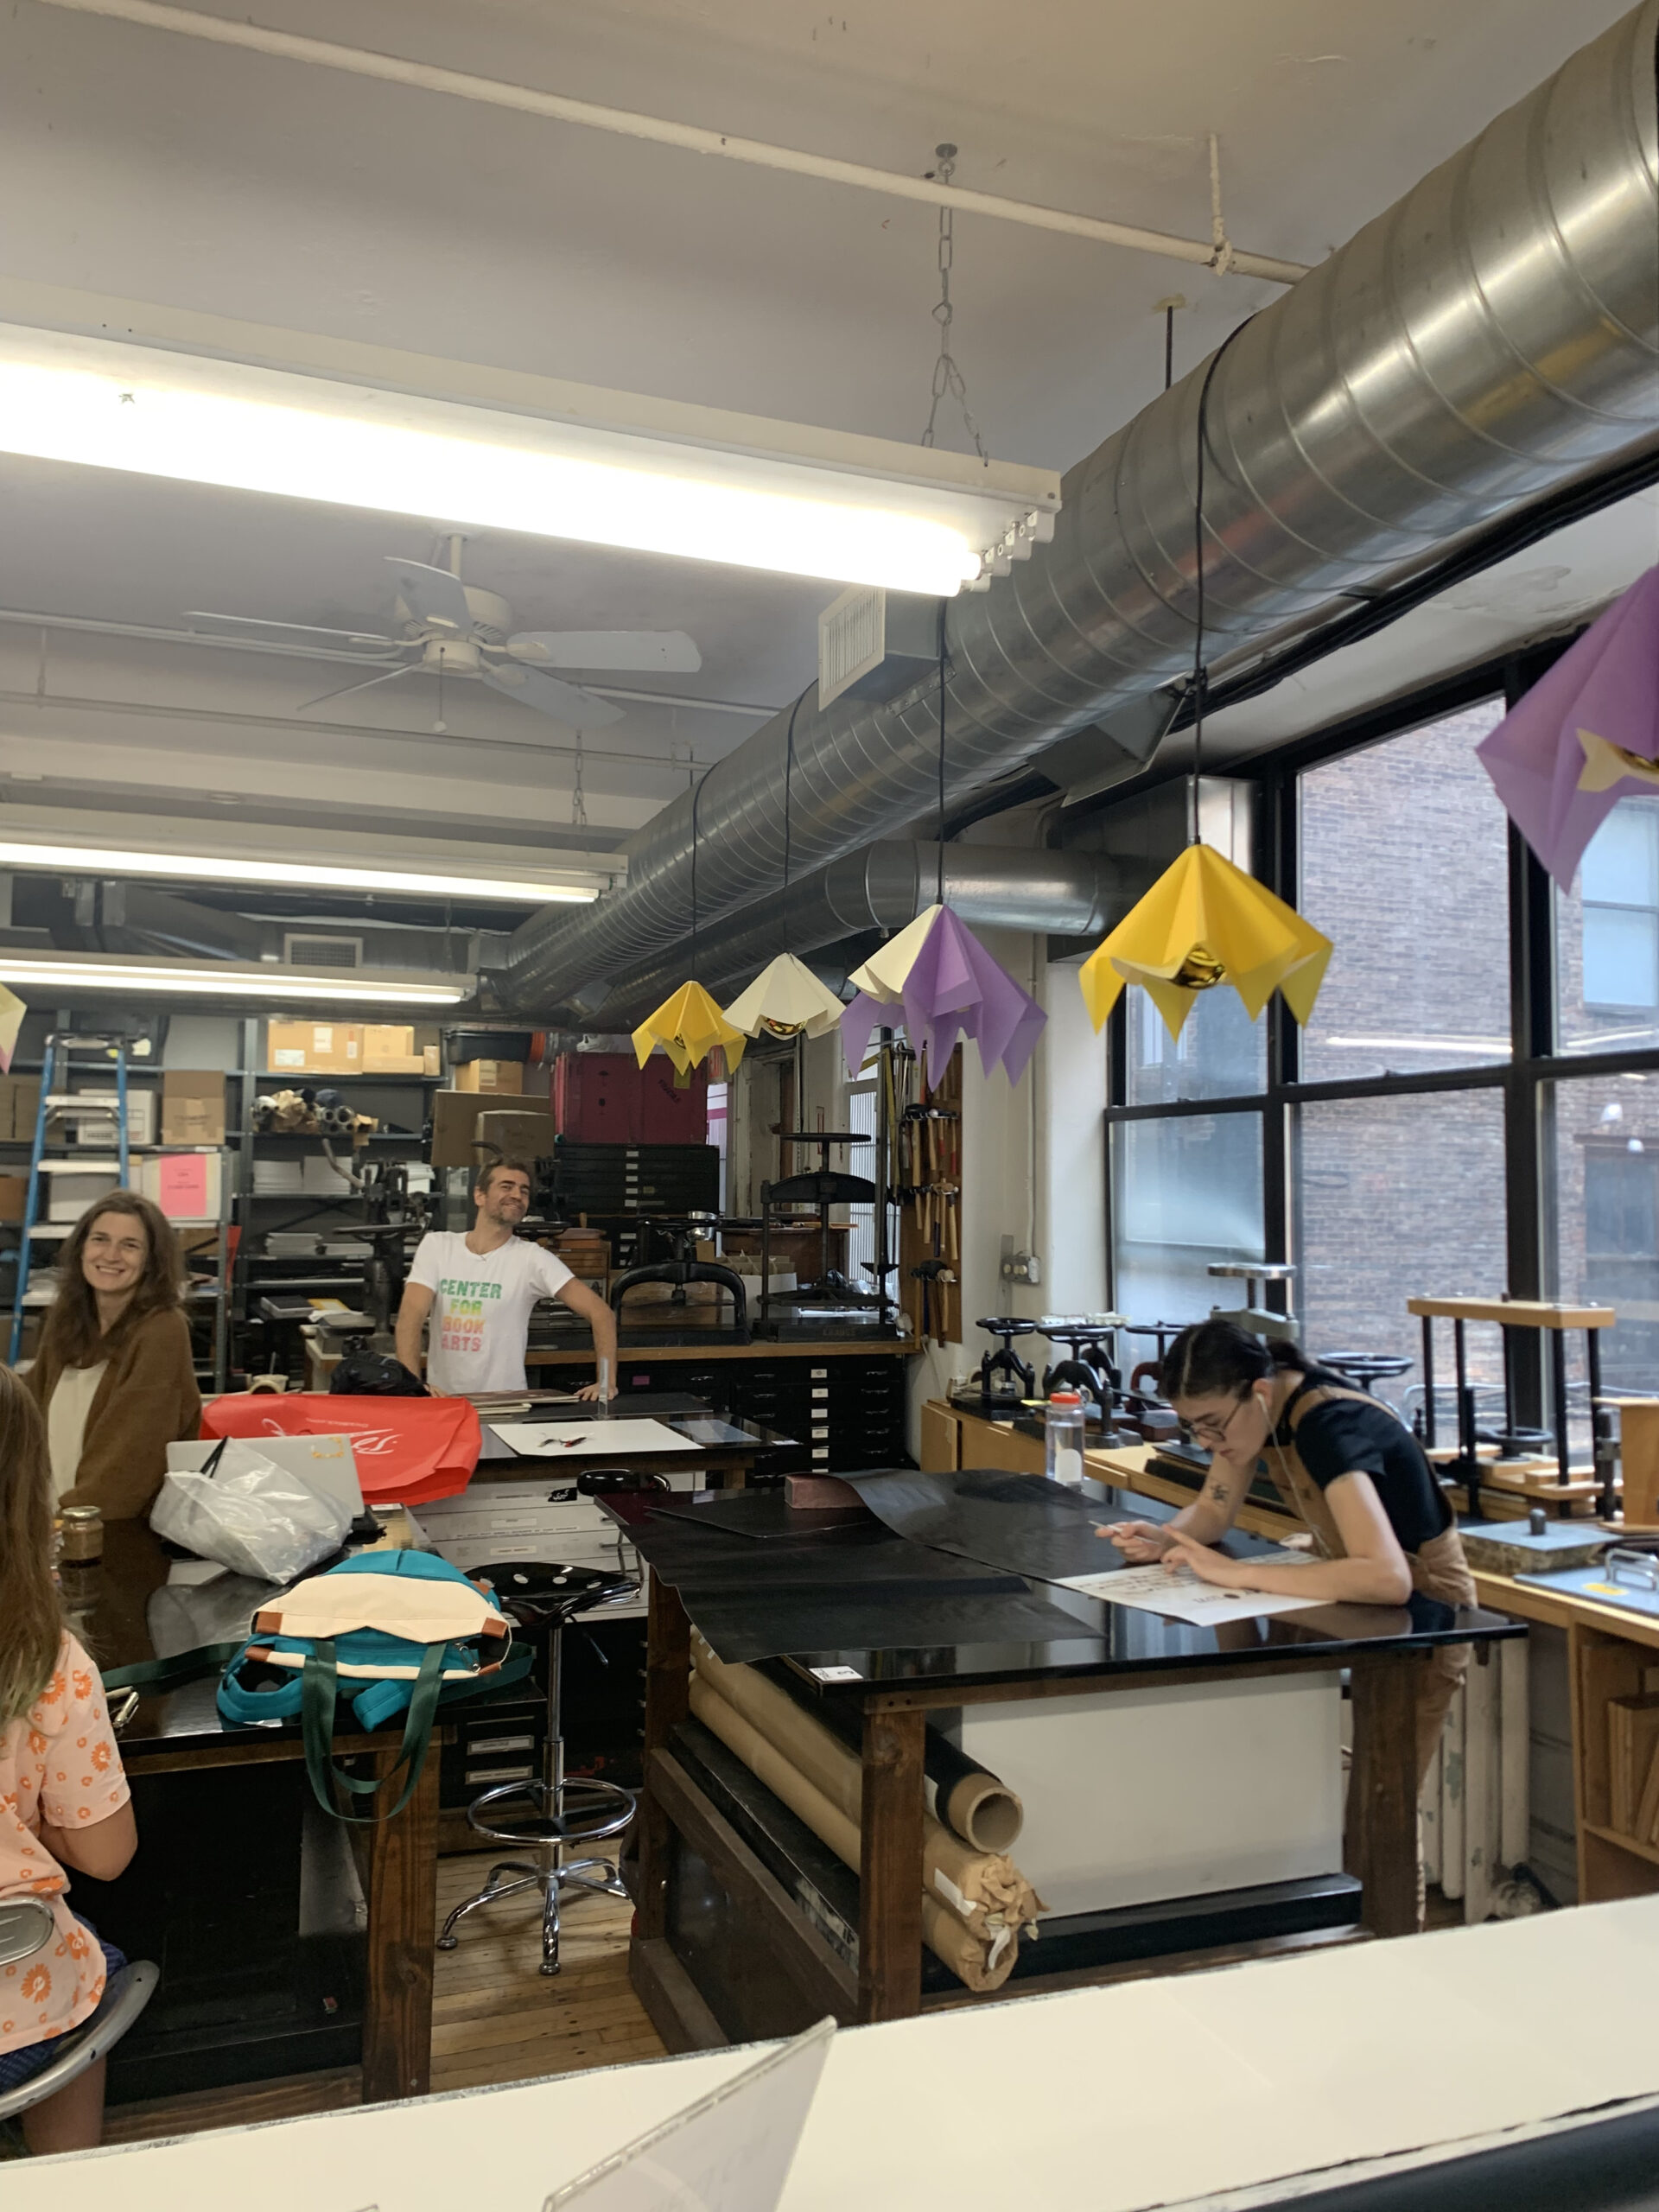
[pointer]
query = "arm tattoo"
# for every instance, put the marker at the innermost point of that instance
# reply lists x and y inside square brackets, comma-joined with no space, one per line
[1220,1492]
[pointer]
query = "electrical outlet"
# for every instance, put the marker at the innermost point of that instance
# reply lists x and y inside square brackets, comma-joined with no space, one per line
[1021,1266]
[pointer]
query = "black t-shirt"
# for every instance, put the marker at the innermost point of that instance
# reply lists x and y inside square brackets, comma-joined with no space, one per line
[1349,1436]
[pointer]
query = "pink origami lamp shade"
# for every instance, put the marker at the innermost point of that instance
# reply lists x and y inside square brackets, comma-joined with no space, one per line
[1586,735]
[948,986]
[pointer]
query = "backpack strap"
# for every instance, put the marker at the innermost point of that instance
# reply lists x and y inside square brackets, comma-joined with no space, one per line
[319,1689]
[158,1675]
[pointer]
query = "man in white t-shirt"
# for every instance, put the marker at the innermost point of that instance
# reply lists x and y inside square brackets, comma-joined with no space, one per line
[478,1291]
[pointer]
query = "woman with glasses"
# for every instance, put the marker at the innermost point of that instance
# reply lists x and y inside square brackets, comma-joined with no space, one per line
[1344,1463]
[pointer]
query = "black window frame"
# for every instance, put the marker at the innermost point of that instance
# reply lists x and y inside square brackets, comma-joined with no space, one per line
[1526,1080]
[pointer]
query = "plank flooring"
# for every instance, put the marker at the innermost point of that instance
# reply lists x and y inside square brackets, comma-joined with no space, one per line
[495,2016]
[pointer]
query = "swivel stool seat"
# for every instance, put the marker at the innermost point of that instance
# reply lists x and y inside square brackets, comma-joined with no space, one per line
[557,1813]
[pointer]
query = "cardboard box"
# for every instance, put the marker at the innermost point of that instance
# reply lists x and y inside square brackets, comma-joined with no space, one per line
[193,1106]
[184,1185]
[399,1048]
[504,1078]
[20,1101]
[455,1125]
[96,1132]
[302,1048]
[67,1197]
[14,1197]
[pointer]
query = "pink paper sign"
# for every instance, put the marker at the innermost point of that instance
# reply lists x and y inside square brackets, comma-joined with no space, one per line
[182,1186]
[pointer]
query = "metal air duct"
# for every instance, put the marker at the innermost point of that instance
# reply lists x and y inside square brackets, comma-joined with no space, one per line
[882,889]
[1492,336]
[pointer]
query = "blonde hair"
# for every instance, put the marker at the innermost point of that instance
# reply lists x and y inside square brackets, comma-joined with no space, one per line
[31,1614]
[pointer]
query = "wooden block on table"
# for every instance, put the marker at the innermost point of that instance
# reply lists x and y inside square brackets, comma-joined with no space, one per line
[814,1493]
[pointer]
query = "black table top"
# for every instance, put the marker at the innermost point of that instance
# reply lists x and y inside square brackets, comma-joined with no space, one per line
[757,1589]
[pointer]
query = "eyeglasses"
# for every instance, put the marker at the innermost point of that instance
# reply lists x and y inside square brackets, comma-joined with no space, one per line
[1211,1434]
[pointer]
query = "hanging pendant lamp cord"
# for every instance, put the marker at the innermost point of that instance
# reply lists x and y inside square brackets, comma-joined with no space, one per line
[1200,685]
[696,795]
[789,775]
[944,663]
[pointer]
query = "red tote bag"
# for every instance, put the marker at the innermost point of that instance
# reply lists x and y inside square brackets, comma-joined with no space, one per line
[408,1451]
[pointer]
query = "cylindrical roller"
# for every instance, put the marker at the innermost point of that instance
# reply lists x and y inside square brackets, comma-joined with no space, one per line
[986,1888]
[969,1956]
[972,1802]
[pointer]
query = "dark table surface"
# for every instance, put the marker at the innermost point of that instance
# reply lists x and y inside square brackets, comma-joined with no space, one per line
[686,1416]
[737,1578]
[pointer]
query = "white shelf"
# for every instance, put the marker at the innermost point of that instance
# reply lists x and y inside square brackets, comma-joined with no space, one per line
[68,1228]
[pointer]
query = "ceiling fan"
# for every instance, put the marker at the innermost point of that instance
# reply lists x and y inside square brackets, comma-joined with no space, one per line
[449,628]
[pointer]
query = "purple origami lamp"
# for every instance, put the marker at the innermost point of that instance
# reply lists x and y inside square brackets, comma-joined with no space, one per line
[1585,735]
[950,987]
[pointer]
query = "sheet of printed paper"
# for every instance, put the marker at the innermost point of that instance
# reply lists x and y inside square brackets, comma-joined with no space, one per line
[1183,1596]
[579,1439]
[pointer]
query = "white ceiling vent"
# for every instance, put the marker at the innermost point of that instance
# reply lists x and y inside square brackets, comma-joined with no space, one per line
[321,952]
[852,639]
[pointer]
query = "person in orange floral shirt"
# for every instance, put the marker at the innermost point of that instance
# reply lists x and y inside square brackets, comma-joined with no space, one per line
[64,1801]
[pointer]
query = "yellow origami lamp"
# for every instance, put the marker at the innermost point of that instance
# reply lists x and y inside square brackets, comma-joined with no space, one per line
[1206,922]
[687,1026]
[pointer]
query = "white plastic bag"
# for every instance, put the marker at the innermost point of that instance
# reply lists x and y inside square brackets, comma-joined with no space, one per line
[249,1514]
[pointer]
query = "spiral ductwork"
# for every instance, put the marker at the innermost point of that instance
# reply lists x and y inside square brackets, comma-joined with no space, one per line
[1493,335]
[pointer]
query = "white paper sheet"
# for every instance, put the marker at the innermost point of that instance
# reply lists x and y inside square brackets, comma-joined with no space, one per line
[1183,1596]
[588,1439]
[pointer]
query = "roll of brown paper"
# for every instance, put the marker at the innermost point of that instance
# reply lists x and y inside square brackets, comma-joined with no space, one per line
[986,1889]
[968,1955]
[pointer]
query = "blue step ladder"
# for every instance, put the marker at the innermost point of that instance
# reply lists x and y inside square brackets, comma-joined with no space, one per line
[59,1063]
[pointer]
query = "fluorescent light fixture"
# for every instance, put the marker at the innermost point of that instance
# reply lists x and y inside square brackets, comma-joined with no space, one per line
[605,468]
[298,875]
[227,980]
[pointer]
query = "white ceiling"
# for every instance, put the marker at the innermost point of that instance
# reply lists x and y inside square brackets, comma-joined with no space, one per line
[154,168]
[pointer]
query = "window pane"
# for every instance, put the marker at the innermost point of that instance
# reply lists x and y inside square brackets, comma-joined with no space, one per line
[1608,936]
[1603,1157]
[1620,957]
[1184,1191]
[1617,869]
[1405,868]
[1220,1053]
[1396,1199]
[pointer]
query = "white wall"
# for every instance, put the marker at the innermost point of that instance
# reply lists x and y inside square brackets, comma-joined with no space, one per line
[1032,1170]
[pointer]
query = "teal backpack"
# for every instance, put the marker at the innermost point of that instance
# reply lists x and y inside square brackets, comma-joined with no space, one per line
[284,1673]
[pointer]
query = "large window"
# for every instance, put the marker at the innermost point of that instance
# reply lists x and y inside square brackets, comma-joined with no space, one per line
[1405,865]
[1186,1191]
[1607,936]
[1474,1108]
[1397,1198]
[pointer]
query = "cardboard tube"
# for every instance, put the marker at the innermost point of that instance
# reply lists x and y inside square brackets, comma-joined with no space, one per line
[986,1888]
[969,1956]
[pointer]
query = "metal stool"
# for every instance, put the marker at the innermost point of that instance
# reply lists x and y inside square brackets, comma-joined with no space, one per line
[27,1926]
[554,1814]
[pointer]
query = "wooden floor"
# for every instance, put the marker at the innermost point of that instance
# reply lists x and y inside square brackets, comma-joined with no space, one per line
[495,2016]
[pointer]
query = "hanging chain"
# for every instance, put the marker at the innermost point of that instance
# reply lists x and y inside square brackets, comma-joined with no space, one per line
[578,802]
[947,376]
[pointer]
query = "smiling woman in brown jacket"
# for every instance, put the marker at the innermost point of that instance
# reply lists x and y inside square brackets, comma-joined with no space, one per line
[114,1376]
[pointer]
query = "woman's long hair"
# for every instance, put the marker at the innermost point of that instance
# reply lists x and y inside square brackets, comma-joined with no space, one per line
[1217,1359]
[72,1327]
[31,1618]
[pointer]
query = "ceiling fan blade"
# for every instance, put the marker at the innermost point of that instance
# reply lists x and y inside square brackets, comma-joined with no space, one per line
[292,629]
[564,702]
[389,676]
[433,594]
[669,651]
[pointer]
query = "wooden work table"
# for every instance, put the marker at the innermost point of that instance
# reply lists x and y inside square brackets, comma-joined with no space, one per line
[695,1868]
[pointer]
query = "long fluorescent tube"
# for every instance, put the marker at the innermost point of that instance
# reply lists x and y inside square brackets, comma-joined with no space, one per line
[231,980]
[88,860]
[750,493]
